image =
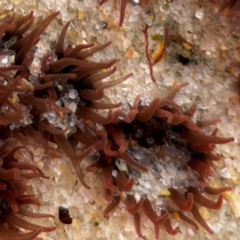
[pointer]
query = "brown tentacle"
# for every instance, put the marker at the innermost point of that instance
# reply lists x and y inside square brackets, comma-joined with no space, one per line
[25,28]
[64,144]
[9,197]
[89,52]
[72,53]
[200,199]
[11,68]
[53,77]
[111,206]
[168,227]
[212,156]
[59,51]
[8,234]
[192,136]
[180,201]
[119,139]
[85,113]
[200,220]
[188,220]
[27,213]
[112,83]
[122,11]
[123,182]
[20,56]
[100,105]
[24,166]
[91,68]
[11,174]
[200,167]
[41,86]
[216,191]
[44,61]
[51,129]
[175,90]
[95,166]
[129,160]
[161,113]
[201,147]
[90,94]
[98,76]
[147,113]
[189,124]
[151,214]
[107,145]
[107,177]
[26,63]
[59,65]
[178,119]
[88,139]
[44,24]
[131,205]
[14,219]
[137,223]
[190,112]
[8,92]
[205,123]
[18,23]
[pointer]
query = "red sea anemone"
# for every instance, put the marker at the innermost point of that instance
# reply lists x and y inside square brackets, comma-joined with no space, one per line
[83,88]
[14,176]
[140,144]
[15,173]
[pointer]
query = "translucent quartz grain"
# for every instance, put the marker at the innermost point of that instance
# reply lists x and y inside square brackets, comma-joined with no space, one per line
[87,217]
[72,93]
[225,173]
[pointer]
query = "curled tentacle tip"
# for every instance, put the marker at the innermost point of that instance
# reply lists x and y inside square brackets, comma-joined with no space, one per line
[109,199]
[174,231]
[45,177]
[196,228]
[109,43]
[122,149]
[209,172]
[183,84]
[56,13]
[14,207]
[116,60]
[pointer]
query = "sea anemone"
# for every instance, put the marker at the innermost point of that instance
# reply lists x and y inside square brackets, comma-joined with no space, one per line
[15,172]
[13,197]
[82,89]
[152,144]
[70,68]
